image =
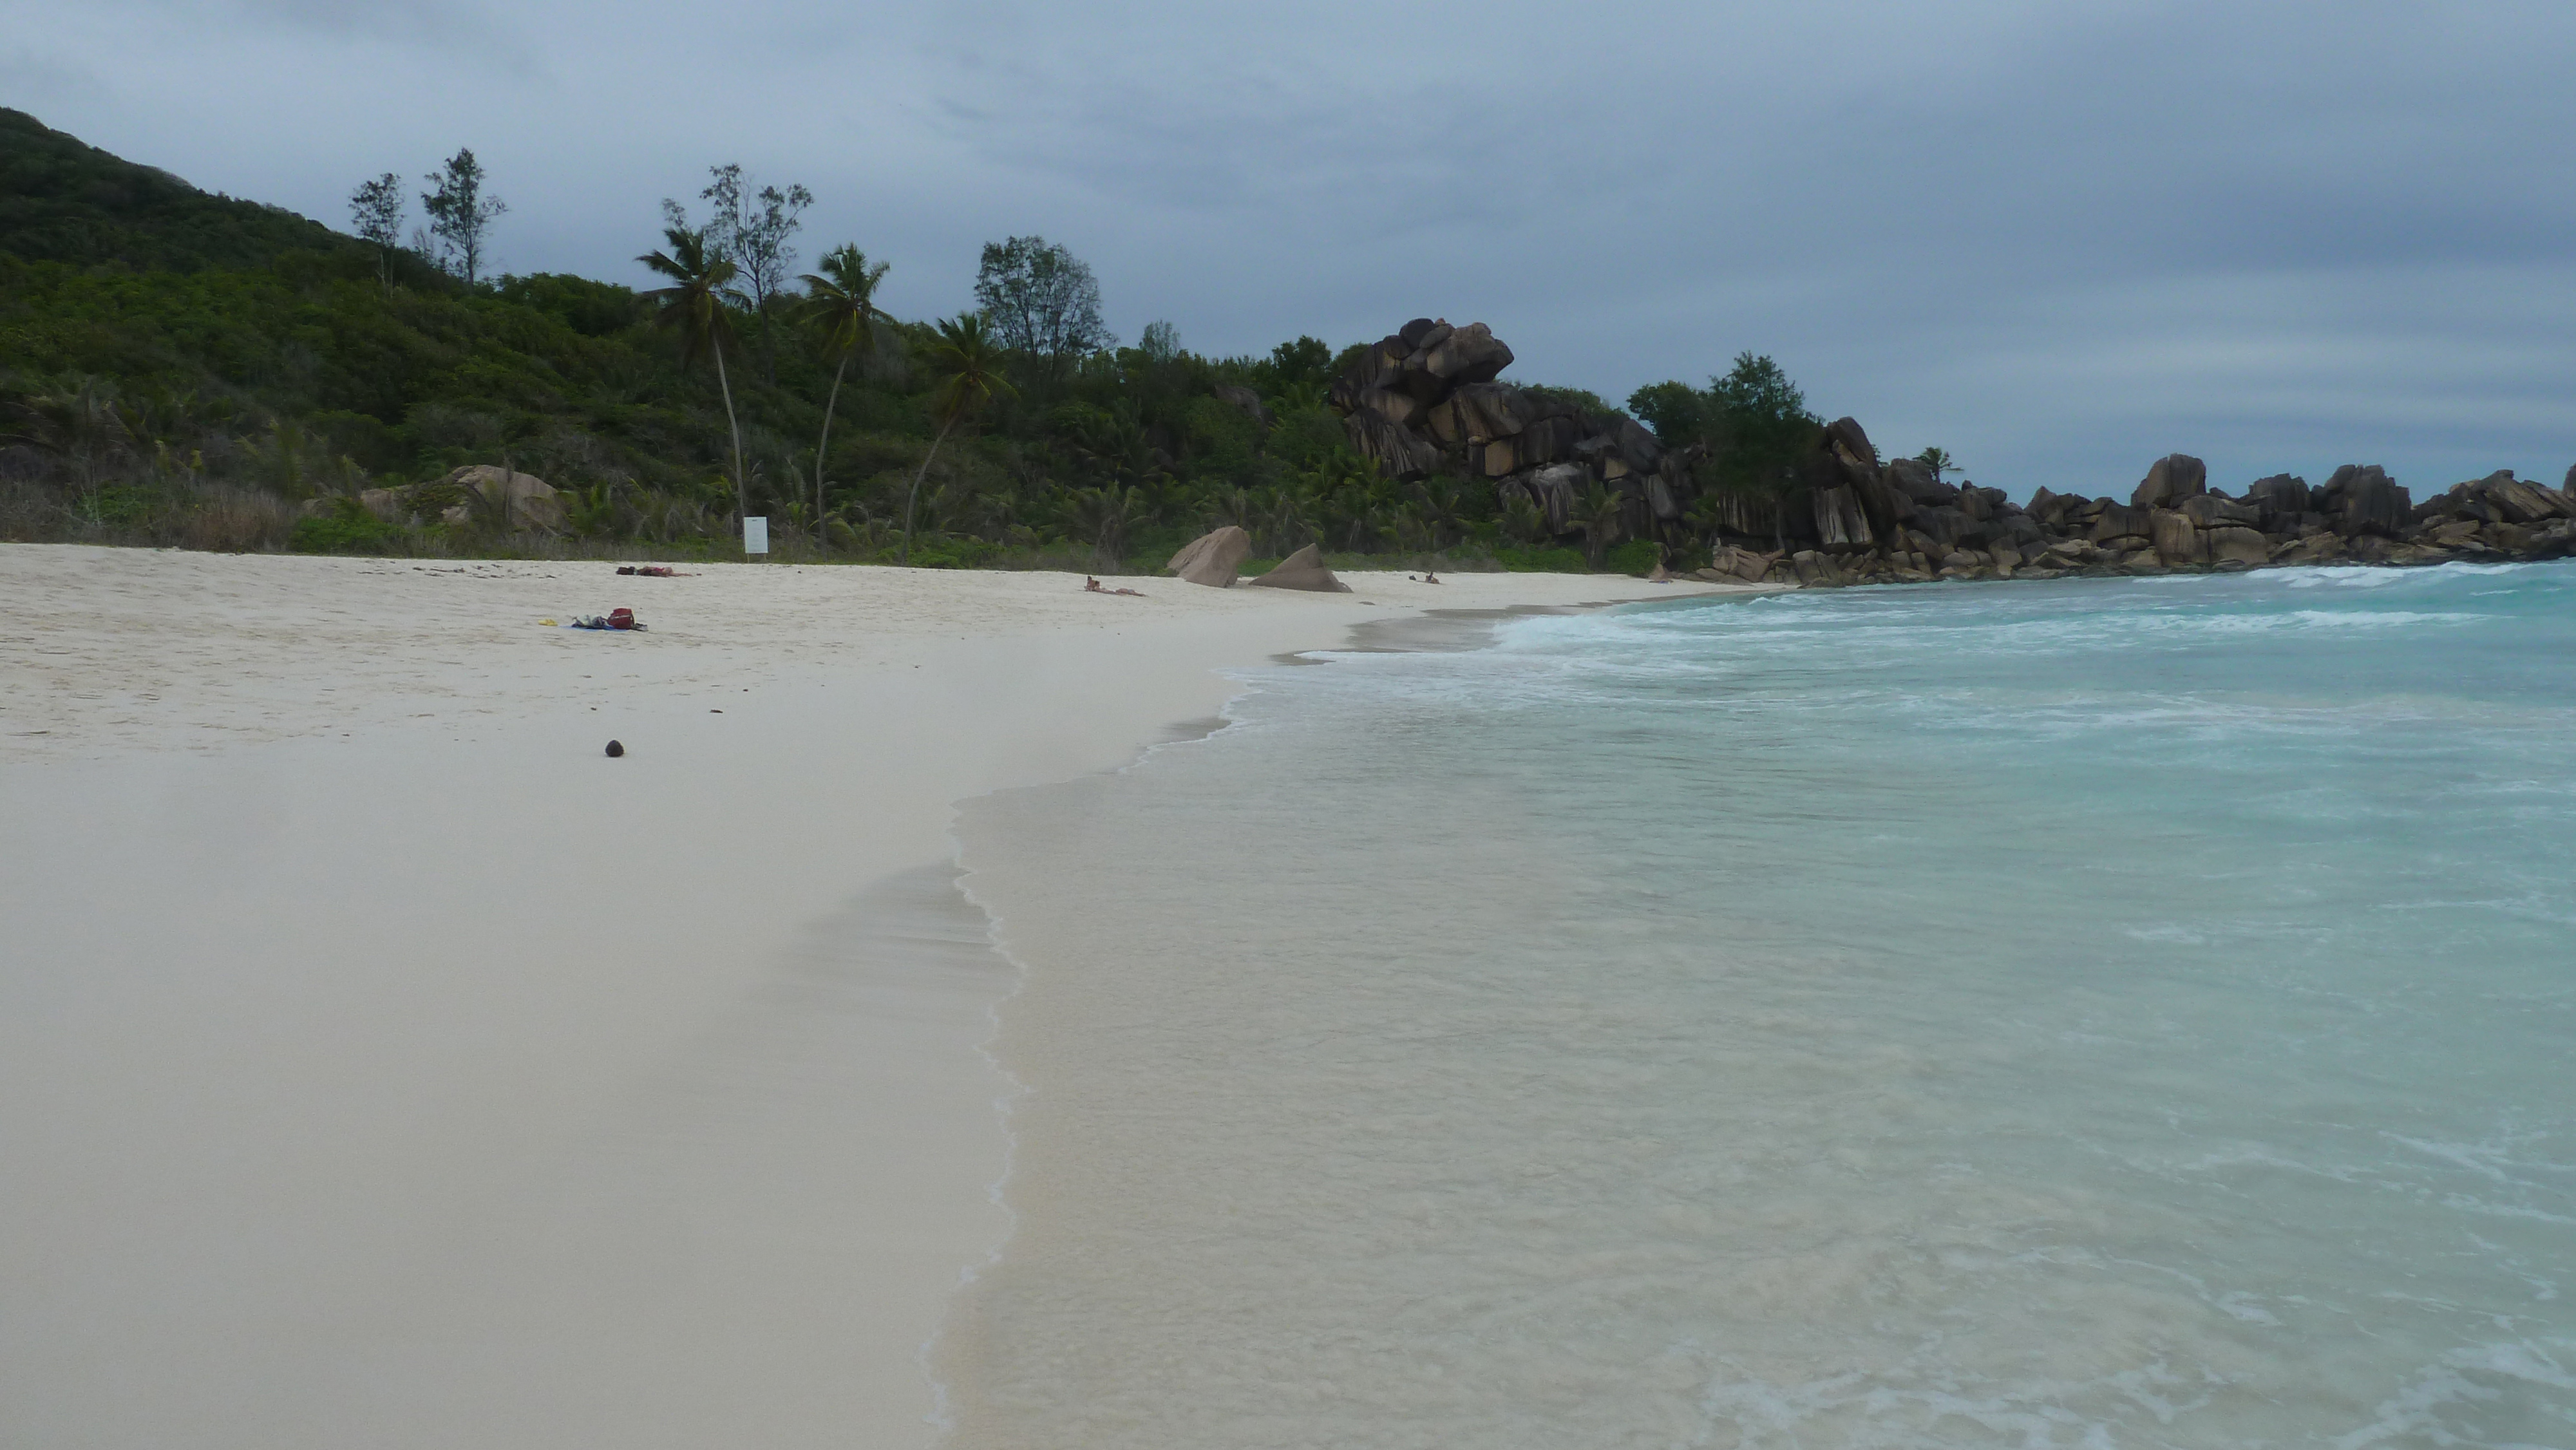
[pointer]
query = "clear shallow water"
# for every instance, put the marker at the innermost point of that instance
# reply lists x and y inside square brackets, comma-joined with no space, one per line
[2081,1013]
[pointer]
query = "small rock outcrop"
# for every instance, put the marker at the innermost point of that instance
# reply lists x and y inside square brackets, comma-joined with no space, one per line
[1213,558]
[516,500]
[512,499]
[1302,570]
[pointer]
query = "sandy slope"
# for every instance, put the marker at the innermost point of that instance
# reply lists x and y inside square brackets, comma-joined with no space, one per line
[381,1065]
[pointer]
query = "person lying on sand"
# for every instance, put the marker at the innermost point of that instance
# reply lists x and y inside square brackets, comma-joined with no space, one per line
[1093,586]
[651,571]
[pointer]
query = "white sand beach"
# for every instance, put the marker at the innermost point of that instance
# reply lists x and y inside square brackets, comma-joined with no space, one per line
[381,1064]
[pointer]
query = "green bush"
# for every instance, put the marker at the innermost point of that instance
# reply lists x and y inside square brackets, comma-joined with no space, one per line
[348,530]
[1543,561]
[1637,556]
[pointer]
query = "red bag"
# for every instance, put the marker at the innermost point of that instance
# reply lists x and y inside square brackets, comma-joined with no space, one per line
[621,619]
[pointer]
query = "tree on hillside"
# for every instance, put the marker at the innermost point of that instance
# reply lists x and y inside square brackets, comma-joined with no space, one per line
[841,303]
[1041,300]
[1676,411]
[754,231]
[970,376]
[1763,430]
[376,215]
[696,305]
[460,215]
[1938,460]
[1754,421]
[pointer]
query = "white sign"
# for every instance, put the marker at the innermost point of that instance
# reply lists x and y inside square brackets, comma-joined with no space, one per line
[755,536]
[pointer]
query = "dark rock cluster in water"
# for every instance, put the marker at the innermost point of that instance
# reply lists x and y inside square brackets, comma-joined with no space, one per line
[1426,401]
[1896,522]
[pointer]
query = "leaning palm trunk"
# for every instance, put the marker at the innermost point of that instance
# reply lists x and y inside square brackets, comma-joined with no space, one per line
[824,445]
[915,491]
[741,487]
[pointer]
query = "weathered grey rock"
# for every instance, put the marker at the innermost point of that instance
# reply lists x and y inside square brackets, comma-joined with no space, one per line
[1440,420]
[2209,510]
[2238,544]
[1839,524]
[1301,570]
[1661,498]
[1417,333]
[2170,480]
[2518,502]
[1401,409]
[1942,528]
[1213,558]
[513,500]
[2365,500]
[1555,488]
[2117,521]
[1397,452]
[1918,484]
[1744,564]
[1245,401]
[1632,442]
[1492,410]
[2279,500]
[2177,542]
[1470,354]
[1548,440]
[1380,366]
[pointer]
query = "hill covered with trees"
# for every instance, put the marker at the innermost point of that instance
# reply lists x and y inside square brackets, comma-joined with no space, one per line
[179,367]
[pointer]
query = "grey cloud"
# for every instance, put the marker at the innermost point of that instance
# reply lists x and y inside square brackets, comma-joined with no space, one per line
[2057,240]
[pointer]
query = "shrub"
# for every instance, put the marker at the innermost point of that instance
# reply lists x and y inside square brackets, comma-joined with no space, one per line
[1543,561]
[348,529]
[1637,556]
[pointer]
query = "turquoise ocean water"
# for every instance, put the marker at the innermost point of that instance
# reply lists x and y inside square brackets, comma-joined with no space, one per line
[2081,1013]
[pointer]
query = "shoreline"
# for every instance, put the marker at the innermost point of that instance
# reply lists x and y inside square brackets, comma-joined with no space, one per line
[395,1064]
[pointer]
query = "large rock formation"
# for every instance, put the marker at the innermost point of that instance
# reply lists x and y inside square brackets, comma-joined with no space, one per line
[1213,558]
[1302,570]
[1427,399]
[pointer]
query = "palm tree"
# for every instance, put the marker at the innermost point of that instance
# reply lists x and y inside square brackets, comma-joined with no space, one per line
[695,303]
[970,367]
[1600,512]
[841,303]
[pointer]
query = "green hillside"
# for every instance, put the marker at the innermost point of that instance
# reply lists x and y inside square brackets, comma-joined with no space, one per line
[63,201]
[183,368]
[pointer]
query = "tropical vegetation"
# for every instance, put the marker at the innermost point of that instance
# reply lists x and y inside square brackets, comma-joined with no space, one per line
[182,368]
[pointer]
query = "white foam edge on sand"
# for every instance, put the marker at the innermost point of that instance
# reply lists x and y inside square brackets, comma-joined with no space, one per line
[176,876]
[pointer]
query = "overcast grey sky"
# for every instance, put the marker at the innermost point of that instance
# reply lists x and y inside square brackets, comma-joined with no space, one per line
[2056,239]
